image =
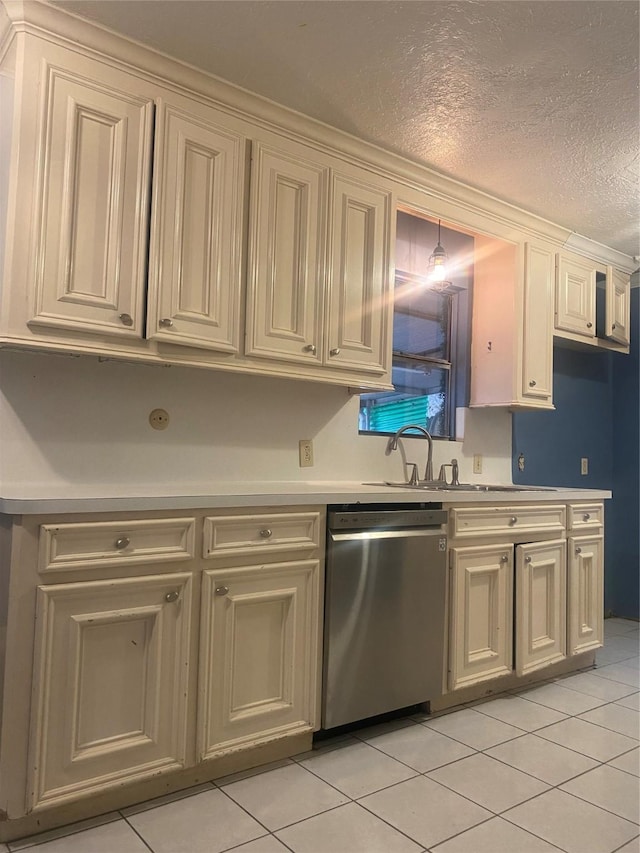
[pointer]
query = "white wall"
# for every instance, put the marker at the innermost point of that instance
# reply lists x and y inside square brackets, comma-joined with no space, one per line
[76,427]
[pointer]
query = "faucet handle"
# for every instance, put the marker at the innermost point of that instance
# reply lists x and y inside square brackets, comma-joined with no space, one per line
[455,481]
[413,479]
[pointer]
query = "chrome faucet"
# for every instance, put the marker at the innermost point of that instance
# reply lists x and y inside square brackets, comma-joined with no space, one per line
[442,476]
[392,444]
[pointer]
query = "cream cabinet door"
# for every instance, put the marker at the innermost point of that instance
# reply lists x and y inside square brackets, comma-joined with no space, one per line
[359,277]
[481,614]
[586,593]
[195,257]
[110,685]
[92,199]
[258,655]
[537,343]
[575,296]
[617,306]
[541,605]
[286,255]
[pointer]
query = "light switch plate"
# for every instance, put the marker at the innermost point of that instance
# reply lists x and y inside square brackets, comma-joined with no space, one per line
[305,449]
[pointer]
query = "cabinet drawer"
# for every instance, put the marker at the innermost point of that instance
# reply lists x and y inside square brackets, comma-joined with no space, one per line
[472,522]
[111,543]
[243,535]
[585,516]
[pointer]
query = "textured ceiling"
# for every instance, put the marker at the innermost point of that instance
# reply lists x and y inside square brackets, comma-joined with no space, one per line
[534,102]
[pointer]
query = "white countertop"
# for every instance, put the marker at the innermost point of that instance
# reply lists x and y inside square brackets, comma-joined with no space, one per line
[273,493]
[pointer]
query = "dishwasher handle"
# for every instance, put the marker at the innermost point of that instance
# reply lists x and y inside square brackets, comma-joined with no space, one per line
[405,533]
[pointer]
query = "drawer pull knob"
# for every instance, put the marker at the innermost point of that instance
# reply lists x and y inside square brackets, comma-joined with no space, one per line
[122,543]
[266,532]
[172,596]
[527,559]
[589,325]
[513,519]
[586,516]
[334,351]
[126,319]
[222,590]
[532,383]
[166,322]
[504,559]
[310,348]
[578,550]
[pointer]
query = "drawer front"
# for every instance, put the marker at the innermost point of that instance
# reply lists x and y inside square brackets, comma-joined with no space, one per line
[114,543]
[585,516]
[244,535]
[472,522]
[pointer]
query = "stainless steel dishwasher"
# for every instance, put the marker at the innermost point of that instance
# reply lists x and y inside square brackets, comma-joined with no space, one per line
[384,611]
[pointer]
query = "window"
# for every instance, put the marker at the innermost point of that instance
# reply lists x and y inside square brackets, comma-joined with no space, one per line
[431,334]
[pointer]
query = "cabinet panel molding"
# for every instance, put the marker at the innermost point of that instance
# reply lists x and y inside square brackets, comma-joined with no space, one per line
[617,306]
[359,280]
[586,593]
[481,614]
[92,198]
[575,296]
[537,358]
[541,605]
[110,685]
[258,654]
[286,255]
[196,233]
[87,545]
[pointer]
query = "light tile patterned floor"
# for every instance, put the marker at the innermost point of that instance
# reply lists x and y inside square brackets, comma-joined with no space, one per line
[552,768]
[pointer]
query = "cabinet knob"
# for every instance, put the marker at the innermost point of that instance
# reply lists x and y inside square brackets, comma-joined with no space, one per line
[504,558]
[222,590]
[527,559]
[310,348]
[334,351]
[589,325]
[266,532]
[172,596]
[586,516]
[613,325]
[167,322]
[126,319]
[578,550]
[532,383]
[513,519]
[122,543]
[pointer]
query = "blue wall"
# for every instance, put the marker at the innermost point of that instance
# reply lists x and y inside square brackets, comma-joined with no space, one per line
[623,528]
[593,392]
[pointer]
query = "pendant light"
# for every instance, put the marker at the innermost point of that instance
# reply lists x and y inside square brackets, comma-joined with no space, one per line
[437,268]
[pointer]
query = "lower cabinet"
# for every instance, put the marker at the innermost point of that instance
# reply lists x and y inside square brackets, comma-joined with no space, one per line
[490,585]
[110,684]
[480,614]
[516,606]
[128,684]
[258,653]
[586,594]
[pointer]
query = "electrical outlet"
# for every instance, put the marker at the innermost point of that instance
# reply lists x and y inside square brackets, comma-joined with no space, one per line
[159,419]
[584,465]
[305,449]
[477,463]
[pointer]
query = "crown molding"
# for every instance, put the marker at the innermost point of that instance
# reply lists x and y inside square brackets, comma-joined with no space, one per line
[598,252]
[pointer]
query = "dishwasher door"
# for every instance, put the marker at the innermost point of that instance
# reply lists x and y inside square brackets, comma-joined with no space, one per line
[384,616]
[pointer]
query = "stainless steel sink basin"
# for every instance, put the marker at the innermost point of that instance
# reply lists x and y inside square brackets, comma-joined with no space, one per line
[462,487]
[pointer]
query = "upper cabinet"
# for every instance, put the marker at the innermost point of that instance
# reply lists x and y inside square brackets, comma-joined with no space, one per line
[141,219]
[617,306]
[92,222]
[318,262]
[592,302]
[90,241]
[512,333]
[195,257]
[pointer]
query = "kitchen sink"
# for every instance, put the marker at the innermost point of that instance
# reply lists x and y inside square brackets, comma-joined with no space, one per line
[462,487]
